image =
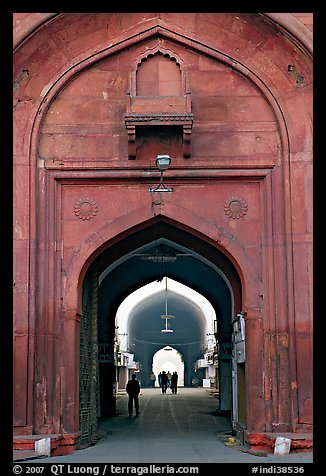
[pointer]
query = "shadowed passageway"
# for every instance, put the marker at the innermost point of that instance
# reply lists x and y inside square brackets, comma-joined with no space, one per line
[180,428]
[170,427]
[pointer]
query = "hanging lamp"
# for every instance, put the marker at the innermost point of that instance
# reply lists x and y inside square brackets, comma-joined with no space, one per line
[167,316]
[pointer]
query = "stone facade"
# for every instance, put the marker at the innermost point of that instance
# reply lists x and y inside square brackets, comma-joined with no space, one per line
[229,97]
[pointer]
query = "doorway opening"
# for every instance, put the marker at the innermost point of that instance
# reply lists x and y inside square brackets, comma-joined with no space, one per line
[148,255]
[141,329]
[169,360]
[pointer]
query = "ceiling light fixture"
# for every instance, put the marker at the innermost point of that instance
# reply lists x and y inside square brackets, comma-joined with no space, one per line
[167,316]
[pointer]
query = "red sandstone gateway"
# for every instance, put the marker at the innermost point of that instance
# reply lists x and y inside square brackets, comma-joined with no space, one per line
[97,97]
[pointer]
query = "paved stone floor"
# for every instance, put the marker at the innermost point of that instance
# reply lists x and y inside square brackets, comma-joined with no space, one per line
[180,428]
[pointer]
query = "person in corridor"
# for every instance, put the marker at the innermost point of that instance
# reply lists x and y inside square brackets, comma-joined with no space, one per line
[174,383]
[153,379]
[133,390]
[164,382]
[169,375]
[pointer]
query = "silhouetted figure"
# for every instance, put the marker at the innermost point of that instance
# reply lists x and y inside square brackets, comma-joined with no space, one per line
[153,379]
[174,383]
[169,378]
[164,381]
[159,378]
[133,390]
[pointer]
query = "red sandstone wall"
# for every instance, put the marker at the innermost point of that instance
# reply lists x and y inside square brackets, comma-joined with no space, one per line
[238,131]
[305,18]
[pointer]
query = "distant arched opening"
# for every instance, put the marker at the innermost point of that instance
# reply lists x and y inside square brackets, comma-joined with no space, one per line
[169,360]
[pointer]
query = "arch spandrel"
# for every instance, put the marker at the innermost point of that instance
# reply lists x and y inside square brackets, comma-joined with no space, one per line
[299,25]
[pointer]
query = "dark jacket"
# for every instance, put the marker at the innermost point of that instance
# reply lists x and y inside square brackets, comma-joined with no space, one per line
[133,387]
[174,380]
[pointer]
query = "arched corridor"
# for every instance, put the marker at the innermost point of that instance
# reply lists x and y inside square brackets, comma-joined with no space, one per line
[141,330]
[174,253]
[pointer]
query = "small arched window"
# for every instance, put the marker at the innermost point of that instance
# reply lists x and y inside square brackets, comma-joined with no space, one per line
[159,75]
[158,105]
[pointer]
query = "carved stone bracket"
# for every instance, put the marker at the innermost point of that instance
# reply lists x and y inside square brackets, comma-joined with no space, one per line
[160,119]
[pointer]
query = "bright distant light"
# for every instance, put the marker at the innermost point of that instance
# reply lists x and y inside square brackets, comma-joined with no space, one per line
[125,309]
[170,362]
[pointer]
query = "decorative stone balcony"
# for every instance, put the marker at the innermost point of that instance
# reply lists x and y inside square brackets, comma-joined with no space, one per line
[158,111]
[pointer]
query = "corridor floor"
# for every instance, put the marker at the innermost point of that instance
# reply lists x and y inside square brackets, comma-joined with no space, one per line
[171,428]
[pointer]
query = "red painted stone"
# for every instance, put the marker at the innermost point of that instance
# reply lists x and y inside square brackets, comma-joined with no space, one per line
[266,441]
[251,138]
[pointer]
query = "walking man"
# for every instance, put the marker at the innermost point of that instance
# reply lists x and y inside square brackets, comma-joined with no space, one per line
[153,379]
[174,383]
[164,381]
[133,390]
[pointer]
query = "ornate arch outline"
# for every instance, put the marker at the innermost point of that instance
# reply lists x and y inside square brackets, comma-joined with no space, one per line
[54,88]
[90,250]
[285,21]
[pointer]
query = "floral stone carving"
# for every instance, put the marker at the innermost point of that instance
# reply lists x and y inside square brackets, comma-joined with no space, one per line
[85,208]
[235,207]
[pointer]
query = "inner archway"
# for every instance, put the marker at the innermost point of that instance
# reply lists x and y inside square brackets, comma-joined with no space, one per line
[147,255]
[169,360]
[142,331]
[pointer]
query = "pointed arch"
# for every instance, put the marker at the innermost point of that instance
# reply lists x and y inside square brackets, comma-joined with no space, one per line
[151,53]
